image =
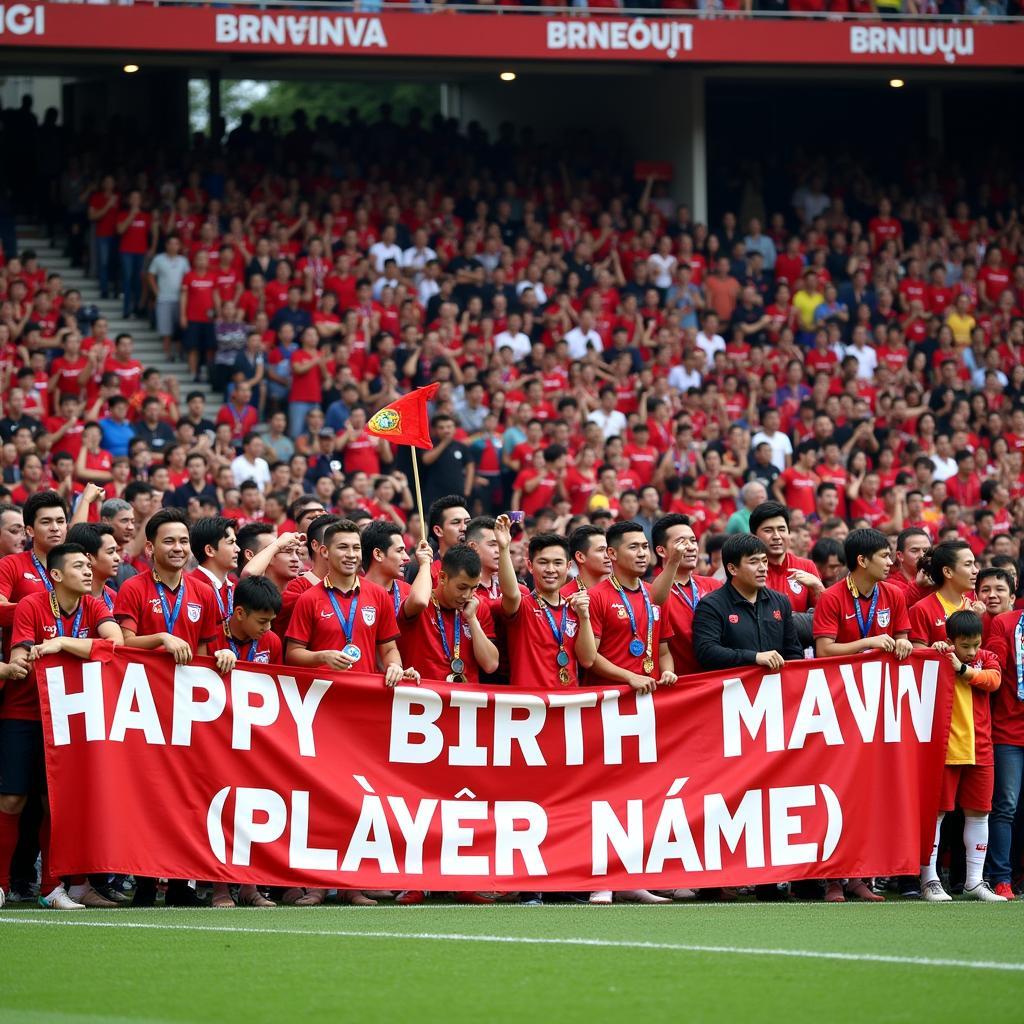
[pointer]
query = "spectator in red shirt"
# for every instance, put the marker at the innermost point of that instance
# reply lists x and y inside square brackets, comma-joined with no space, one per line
[103,215]
[138,237]
[199,305]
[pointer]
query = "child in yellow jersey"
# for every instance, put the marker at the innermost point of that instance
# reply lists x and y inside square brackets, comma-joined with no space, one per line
[968,775]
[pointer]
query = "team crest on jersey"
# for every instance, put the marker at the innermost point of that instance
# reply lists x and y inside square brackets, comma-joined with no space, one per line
[262,658]
[734,619]
[83,634]
[620,611]
[884,615]
[777,615]
[466,631]
[657,613]
[195,612]
[571,626]
[369,616]
[797,588]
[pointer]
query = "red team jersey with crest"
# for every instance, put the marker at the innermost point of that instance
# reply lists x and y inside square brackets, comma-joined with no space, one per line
[315,624]
[835,617]
[422,649]
[800,597]
[532,648]
[678,610]
[613,631]
[34,622]
[139,609]
[928,619]
[267,650]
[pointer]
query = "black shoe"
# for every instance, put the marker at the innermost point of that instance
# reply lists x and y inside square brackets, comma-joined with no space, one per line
[531,899]
[108,892]
[179,894]
[808,889]
[909,887]
[772,893]
[145,892]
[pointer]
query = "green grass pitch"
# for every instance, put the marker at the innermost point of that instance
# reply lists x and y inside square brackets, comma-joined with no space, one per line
[897,961]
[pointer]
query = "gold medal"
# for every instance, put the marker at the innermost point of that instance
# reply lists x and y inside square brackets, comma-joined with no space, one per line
[648,665]
[563,676]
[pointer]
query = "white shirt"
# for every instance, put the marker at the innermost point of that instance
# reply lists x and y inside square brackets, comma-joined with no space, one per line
[381,251]
[944,468]
[663,267]
[169,272]
[242,469]
[781,447]
[867,360]
[426,290]
[417,259]
[518,342]
[613,424]
[580,342]
[709,345]
[682,379]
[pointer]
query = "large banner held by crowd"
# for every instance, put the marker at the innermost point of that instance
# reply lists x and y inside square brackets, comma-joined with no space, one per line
[278,775]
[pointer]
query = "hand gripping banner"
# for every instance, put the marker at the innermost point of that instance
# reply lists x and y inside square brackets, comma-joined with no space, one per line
[279,775]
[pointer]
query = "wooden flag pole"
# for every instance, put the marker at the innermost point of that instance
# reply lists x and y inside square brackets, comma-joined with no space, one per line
[419,493]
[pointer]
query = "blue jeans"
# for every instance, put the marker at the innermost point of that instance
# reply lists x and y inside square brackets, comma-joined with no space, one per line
[297,413]
[1009,764]
[106,253]
[131,281]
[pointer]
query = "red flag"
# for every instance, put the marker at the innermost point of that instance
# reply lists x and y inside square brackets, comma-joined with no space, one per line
[405,421]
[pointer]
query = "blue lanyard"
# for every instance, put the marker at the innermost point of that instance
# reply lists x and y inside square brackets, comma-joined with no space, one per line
[681,592]
[865,627]
[557,632]
[629,611]
[42,575]
[396,597]
[1018,636]
[170,618]
[59,617]
[108,600]
[235,651]
[444,638]
[347,624]
[231,600]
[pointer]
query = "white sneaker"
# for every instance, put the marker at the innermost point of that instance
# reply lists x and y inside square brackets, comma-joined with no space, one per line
[60,900]
[983,891]
[640,896]
[602,897]
[932,892]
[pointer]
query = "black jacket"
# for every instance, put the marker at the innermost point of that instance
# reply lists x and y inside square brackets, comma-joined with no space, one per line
[729,631]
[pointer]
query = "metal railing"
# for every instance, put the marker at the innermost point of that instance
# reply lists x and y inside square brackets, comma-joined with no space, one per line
[576,10]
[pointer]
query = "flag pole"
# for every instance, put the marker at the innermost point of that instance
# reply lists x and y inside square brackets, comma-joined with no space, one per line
[419,493]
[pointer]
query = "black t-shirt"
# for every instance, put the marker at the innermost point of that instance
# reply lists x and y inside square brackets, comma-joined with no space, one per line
[448,474]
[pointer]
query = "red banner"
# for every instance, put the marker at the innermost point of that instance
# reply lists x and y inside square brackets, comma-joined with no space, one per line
[132,30]
[284,776]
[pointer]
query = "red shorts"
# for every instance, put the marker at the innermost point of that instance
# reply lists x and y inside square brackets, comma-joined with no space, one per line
[968,786]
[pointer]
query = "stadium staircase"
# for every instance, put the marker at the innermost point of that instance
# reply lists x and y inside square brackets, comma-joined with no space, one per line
[148,349]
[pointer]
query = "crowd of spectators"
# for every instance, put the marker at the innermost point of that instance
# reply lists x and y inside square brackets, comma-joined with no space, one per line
[858,355]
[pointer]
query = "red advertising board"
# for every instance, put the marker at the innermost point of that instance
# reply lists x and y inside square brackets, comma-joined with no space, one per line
[211,30]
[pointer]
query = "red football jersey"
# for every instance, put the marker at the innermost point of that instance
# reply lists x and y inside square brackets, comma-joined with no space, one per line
[928,620]
[835,617]
[778,579]
[678,610]
[614,633]
[1007,707]
[34,622]
[138,607]
[422,648]
[265,651]
[314,622]
[533,649]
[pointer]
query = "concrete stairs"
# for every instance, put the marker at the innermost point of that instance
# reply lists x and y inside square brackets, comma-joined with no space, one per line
[148,349]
